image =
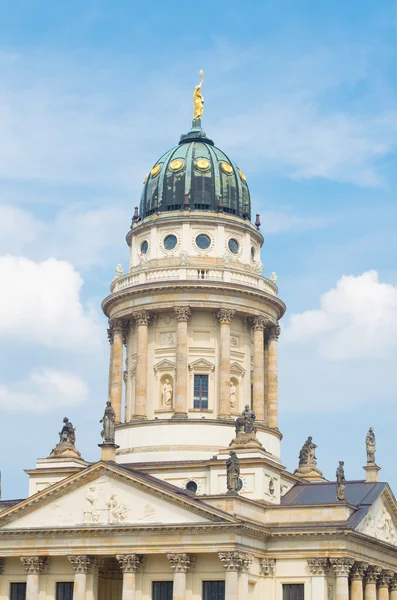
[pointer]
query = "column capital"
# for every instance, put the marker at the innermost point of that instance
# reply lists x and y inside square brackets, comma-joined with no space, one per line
[1,566]
[273,333]
[235,561]
[142,317]
[34,564]
[372,574]
[358,570]
[116,326]
[268,567]
[385,578]
[82,563]
[342,566]
[181,563]
[258,323]
[182,313]
[225,315]
[318,566]
[393,583]
[130,563]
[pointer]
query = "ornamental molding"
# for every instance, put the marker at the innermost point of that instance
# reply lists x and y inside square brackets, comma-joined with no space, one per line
[182,313]
[225,315]
[268,567]
[130,563]
[318,566]
[164,366]
[34,564]
[177,246]
[342,566]
[201,365]
[358,571]
[229,253]
[235,561]
[181,563]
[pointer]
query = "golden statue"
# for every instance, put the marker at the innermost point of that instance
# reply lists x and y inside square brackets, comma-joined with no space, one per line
[198,99]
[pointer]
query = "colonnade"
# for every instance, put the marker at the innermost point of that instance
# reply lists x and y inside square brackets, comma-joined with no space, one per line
[264,376]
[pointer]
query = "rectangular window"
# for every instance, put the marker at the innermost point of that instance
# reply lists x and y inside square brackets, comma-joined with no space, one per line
[294,591]
[162,590]
[200,391]
[213,590]
[18,591]
[64,590]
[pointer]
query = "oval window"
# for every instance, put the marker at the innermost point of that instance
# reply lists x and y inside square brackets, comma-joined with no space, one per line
[192,486]
[203,241]
[170,242]
[144,247]
[233,246]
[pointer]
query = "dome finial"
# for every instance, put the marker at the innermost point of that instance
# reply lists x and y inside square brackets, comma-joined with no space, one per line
[198,100]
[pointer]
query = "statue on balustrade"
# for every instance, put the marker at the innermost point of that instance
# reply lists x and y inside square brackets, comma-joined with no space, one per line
[340,482]
[245,430]
[109,423]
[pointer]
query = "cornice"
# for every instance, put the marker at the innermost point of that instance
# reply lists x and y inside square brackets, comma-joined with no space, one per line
[222,287]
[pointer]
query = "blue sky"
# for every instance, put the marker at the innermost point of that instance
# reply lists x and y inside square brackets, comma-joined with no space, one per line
[303,95]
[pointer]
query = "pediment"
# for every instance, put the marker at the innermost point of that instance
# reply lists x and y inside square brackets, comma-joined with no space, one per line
[380,522]
[108,496]
[201,363]
[237,369]
[165,365]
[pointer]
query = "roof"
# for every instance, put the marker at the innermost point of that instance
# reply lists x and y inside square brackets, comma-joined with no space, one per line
[358,493]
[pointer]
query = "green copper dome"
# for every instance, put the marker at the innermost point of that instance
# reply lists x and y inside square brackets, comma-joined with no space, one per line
[196,175]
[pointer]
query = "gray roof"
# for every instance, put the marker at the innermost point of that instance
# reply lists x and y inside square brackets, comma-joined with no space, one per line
[358,493]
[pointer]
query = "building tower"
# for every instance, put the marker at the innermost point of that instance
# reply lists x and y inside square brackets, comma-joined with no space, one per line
[198,320]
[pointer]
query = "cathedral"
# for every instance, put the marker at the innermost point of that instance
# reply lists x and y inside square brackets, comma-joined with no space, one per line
[189,498]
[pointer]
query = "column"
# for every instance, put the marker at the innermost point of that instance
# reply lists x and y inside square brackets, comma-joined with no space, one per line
[258,376]
[272,377]
[82,565]
[372,577]
[180,563]
[357,574]
[182,315]
[33,567]
[234,563]
[265,376]
[268,570]
[225,317]
[127,374]
[342,567]
[393,588]
[318,568]
[116,336]
[142,319]
[129,564]
[383,584]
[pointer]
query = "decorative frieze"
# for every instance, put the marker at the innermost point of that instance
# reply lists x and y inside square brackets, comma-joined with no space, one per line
[130,563]
[182,313]
[82,563]
[225,315]
[181,563]
[385,578]
[358,570]
[235,561]
[268,567]
[372,574]
[142,317]
[318,566]
[342,566]
[34,564]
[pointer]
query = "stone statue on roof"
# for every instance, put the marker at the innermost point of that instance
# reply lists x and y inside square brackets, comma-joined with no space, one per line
[370,442]
[67,439]
[67,434]
[109,422]
[246,423]
[232,473]
[307,455]
[340,482]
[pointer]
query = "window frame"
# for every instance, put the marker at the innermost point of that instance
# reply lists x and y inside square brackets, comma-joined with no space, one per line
[201,391]
[169,583]
[18,597]
[293,583]
[211,581]
[70,584]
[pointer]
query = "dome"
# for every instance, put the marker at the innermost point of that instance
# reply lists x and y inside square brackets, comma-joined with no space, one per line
[196,175]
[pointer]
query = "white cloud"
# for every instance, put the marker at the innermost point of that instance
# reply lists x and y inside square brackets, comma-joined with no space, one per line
[274,222]
[45,389]
[343,354]
[40,303]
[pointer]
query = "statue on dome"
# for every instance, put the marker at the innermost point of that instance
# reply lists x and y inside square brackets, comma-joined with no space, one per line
[166,394]
[232,473]
[307,455]
[370,442]
[340,482]
[109,422]
[246,423]
[198,99]
[67,434]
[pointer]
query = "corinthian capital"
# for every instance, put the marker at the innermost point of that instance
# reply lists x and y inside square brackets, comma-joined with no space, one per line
[142,317]
[259,323]
[82,563]
[385,578]
[393,584]
[342,566]
[235,561]
[182,313]
[268,567]
[34,564]
[318,566]
[116,326]
[372,574]
[225,315]
[181,562]
[358,571]
[274,332]
[130,563]
[1,566]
